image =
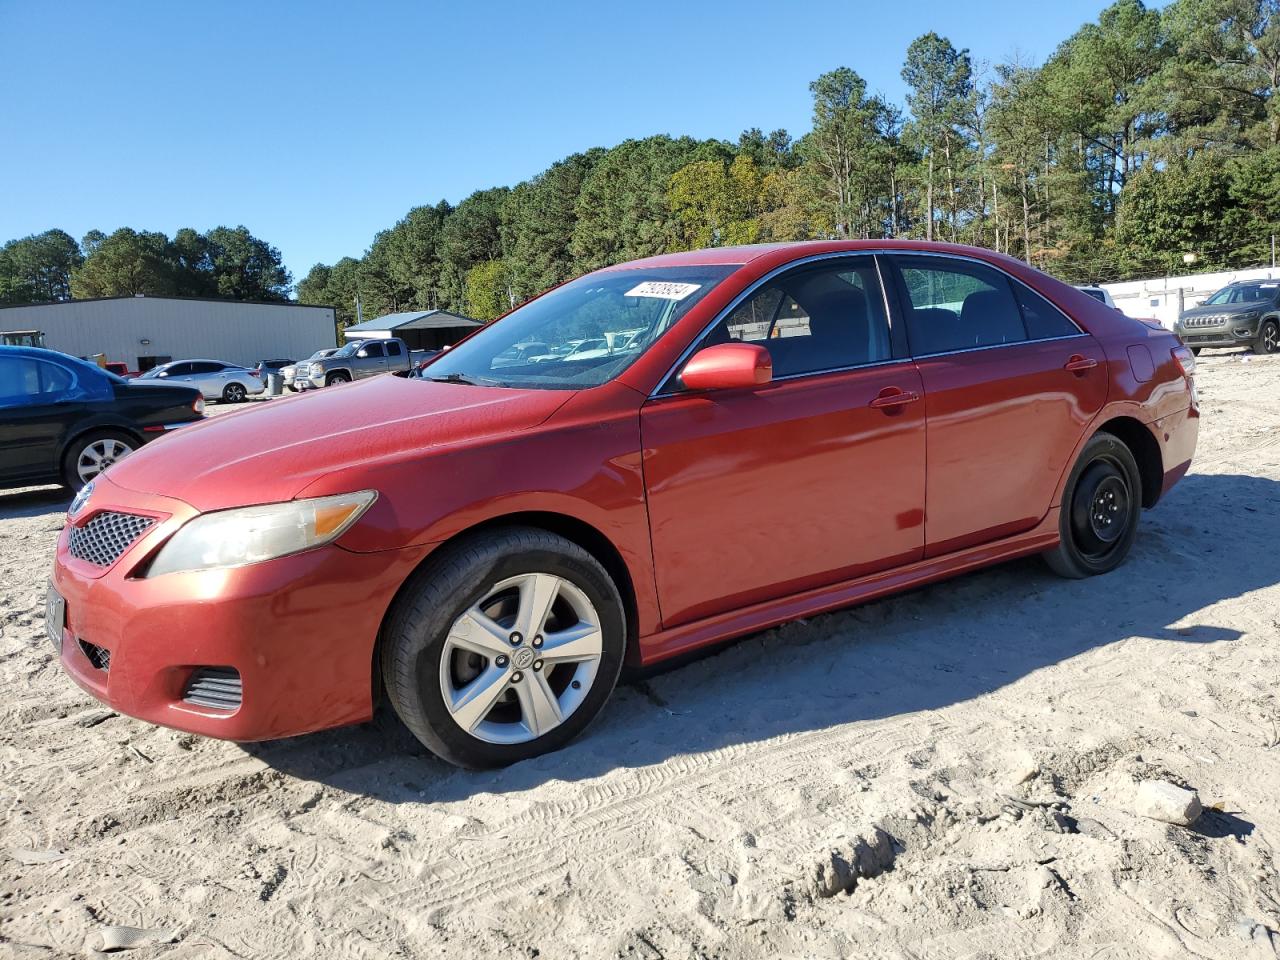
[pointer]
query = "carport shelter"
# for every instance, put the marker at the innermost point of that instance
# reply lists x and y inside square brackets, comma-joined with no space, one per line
[421,330]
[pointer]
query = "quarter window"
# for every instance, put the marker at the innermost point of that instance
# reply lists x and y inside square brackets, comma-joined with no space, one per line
[814,319]
[1044,321]
[27,380]
[956,305]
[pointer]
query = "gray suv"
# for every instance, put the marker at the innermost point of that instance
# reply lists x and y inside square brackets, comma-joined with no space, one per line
[1245,314]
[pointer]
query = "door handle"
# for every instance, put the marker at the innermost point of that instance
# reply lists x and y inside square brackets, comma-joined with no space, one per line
[1079,364]
[891,397]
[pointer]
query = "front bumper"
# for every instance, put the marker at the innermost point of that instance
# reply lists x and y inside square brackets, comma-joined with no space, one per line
[299,631]
[1230,334]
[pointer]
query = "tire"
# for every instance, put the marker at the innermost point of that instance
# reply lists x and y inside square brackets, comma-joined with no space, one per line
[1268,341]
[234,393]
[427,675]
[1100,509]
[339,376]
[92,452]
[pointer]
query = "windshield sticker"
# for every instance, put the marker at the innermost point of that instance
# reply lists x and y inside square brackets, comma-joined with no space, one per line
[662,290]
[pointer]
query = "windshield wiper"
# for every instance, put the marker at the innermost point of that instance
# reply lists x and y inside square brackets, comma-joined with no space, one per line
[453,378]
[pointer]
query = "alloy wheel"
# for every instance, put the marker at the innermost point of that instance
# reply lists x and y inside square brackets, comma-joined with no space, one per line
[235,392]
[1270,337]
[99,455]
[519,662]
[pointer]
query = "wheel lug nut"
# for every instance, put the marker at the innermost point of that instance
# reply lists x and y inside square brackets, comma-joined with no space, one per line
[537,641]
[516,639]
[537,664]
[577,685]
[517,677]
[501,661]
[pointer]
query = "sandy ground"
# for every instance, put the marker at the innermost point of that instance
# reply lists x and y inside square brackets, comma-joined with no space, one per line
[994,727]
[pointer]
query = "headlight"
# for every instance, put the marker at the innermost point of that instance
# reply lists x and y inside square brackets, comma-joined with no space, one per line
[316,369]
[233,538]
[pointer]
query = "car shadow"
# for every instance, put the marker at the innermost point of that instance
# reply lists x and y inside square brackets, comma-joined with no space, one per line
[1211,539]
[32,501]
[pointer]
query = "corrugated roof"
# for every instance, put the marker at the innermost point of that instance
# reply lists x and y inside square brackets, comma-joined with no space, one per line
[415,320]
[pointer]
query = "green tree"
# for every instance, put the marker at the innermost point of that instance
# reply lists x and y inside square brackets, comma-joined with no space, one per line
[243,267]
[939,79]
[538,221]
[125,264]
[472,235]
[38,268]
[622,211]
[717,203]
[488,294]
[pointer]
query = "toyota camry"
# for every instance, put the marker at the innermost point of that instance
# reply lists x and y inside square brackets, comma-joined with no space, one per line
[757,434]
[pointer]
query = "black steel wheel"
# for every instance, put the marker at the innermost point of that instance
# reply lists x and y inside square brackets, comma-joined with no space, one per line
[1100,510]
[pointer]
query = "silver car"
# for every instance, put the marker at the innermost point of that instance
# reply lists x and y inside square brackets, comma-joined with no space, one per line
[213,378]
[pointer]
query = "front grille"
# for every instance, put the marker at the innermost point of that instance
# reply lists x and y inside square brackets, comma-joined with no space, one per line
[217,687]
[106,536]
[1210,320]
[100,657]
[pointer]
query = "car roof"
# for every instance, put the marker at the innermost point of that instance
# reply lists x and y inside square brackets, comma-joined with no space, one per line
[794,250]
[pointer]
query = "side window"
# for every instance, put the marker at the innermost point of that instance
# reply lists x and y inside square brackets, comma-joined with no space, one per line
[19,381]
[372,349]
[181,370]
[201,367]
[55,381]
[1044,321]
[393,349]
[957,305]
[814,319]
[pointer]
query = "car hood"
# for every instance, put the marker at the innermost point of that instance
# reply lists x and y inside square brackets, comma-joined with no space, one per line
[1207,309]
[272,451]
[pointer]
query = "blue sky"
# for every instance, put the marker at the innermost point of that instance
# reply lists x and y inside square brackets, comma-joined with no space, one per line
[316,124]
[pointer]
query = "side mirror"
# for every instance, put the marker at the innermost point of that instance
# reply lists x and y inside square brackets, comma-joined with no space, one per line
[726,366]
[163,373]
[362,353]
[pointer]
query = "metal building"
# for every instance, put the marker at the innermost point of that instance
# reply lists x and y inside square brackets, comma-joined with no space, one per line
[145,331]
[421,329]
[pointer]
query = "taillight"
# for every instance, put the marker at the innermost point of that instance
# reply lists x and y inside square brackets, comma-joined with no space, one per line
[1186,361]
[198,406]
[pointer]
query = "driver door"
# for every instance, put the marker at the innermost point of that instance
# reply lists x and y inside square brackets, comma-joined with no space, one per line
[761,492]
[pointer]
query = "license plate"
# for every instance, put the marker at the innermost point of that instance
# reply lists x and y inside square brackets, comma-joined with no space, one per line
[55,616]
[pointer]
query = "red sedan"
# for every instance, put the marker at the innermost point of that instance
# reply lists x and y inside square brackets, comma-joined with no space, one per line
[700,446]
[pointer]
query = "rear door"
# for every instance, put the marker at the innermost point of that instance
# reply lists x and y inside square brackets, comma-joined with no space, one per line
[38,401]
[1010,385]
[762,492]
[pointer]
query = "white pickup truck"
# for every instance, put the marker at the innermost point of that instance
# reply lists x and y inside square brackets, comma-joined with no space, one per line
[355,361]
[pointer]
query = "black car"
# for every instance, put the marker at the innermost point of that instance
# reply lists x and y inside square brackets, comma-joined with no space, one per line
[64,420]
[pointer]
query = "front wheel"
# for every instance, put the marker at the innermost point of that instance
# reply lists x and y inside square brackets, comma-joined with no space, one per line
[339,377]
[92,453]
[505,648]
[1268,338]
[1100,508]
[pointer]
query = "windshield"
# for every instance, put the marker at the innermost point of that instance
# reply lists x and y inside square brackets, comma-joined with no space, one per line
[1251,293]
[348,351]
[153,372]
[582,334]
[321,354]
